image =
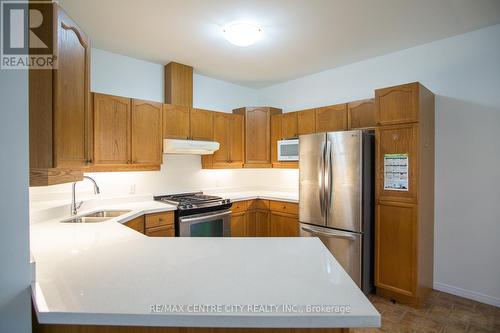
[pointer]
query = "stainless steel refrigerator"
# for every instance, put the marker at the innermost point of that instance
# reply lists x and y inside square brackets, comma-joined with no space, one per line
[336,197]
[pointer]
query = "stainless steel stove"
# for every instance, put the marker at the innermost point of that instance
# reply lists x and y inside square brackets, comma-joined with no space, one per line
[200,215]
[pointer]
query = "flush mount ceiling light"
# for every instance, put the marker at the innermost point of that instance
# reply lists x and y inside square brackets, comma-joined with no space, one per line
[242,34]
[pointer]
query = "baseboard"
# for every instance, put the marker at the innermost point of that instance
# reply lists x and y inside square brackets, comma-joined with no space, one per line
[495,301]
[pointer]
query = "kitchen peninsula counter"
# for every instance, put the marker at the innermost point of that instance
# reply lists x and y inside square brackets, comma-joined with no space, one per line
[108,274]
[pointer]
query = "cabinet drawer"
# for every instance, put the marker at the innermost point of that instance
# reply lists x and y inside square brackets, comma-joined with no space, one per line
[161,231]
[159,219]
[239,206]
[285,207]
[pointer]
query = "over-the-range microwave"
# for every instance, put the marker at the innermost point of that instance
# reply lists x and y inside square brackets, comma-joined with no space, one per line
[288,150]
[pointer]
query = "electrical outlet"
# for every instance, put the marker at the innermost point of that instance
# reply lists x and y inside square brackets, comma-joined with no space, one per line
[132,189]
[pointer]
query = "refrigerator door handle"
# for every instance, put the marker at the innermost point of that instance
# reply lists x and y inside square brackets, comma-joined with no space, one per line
[327,233]
[329,174]
[322,180]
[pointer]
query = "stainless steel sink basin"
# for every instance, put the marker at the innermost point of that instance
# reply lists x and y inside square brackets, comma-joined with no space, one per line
[99,216]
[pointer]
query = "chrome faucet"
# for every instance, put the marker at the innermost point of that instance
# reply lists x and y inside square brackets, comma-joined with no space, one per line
[74,206]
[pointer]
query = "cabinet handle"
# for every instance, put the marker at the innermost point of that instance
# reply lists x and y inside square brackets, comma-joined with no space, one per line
[160,219]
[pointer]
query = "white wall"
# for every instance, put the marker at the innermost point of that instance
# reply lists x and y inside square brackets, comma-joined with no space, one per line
[464,73]
[116,74]
[15,273]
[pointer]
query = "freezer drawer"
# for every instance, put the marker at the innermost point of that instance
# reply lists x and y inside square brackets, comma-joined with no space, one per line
[345,247]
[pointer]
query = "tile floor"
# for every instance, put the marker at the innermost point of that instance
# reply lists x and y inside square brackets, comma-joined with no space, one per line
[443,313]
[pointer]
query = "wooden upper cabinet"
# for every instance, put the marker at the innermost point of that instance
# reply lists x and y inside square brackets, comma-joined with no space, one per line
[361,114]
[306,121]
[72,96]
[59,107]
[331,118]
[397,139]
[223,136]
[290,125]
[176,122]
[396,105]
[237,140]
[228,131]
[146,132]
[179,84]
[257,135]
[111,129]
[276,135]
[202,125]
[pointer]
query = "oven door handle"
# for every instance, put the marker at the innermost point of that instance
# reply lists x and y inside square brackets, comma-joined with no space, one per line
[204,216]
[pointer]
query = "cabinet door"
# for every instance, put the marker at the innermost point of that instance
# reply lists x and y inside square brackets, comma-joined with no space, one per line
[361,114]
[399,139]
[137,224]
[202,125]
[258,136]
[71,95]
[237,139]
[111,129]
[396,105]
[238,225]
[262,223]
[306,121]
[175,122]
[283,225]
[289,125]
[331,118]
[395,247]
[276,135]
[146,132]
[222,136]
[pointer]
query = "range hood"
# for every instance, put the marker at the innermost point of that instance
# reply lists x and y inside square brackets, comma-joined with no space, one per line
[189,147]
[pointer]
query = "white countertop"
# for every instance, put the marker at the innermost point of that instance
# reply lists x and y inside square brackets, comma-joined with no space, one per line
[105,273]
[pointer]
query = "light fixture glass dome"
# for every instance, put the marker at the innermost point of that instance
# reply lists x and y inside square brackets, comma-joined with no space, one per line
[242,34]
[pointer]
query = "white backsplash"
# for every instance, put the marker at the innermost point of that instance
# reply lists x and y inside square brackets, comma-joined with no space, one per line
[179,173]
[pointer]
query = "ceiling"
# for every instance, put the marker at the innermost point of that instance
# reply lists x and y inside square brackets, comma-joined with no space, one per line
[300,36]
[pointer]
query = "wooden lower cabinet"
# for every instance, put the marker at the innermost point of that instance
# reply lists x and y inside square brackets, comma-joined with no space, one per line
[238,224]
[137,224]
[264,218]
[395,247]
[161,231]
[283,225]
[154,225]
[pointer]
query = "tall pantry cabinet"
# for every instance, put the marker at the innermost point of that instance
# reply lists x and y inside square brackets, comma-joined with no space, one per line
[404,221]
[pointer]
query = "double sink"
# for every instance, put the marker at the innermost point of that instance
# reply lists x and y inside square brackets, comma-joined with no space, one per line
[99,216]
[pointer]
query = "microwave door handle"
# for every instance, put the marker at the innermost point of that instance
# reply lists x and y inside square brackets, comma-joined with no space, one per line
[205,217]
[327,233]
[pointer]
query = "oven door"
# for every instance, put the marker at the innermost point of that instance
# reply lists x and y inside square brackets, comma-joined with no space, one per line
[211,224]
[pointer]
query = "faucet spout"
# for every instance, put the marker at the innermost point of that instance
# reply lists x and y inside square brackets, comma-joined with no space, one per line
[74,206]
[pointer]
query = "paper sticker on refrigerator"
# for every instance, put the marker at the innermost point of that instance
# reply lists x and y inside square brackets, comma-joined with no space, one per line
[396,172]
